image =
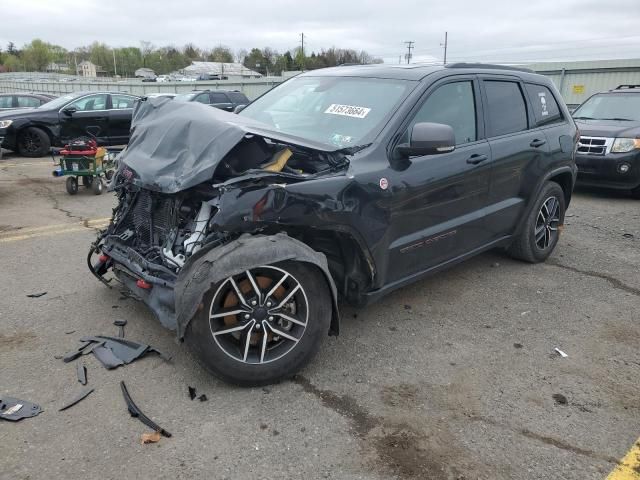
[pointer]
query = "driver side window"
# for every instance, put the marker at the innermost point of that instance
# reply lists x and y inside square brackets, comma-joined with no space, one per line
[92,102]
[452,104]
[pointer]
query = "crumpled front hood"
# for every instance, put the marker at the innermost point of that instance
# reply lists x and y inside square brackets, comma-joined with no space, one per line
[177,145]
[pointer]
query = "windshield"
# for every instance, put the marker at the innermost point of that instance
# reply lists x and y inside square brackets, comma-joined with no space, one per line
[612,106]
[59,102]
[342,111]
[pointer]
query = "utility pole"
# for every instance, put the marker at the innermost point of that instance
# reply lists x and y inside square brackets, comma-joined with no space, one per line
[399,59]
[445,47]
[409,45]
[302,48]
[115,69]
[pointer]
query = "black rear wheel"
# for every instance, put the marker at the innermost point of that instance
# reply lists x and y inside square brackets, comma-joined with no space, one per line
[541,231]
[262,325]
[33,142]
[72,185]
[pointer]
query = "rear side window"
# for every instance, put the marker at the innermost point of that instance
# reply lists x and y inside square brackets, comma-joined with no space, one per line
[30,102]
[203,98]
[237,97]
[507,108]
[6,102]
[452,104]
[121,102]
[217,97]
[544,105]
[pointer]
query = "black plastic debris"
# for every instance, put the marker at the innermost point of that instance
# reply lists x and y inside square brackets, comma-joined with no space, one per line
[14,409]
[137,413]
[203,398]
[82,374]
[112,351]
[120,324]
[36,295]
[81,396]
[192,393]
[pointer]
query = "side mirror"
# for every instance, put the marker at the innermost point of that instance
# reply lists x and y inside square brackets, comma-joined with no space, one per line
[429,139]
[69,110]
[239,108]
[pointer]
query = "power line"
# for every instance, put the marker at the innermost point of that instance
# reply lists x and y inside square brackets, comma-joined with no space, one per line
[409,45]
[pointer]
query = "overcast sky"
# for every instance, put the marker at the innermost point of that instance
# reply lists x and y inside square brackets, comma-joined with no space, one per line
[479,30]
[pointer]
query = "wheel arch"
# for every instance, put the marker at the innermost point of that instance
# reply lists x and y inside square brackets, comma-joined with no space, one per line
[208,267]
[44,128]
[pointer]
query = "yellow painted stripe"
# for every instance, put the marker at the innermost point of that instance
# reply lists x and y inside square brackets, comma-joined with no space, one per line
[69,228]
[22,231]
[629,466]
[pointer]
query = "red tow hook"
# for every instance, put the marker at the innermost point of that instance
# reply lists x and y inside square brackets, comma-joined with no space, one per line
[103,258]
[143,284]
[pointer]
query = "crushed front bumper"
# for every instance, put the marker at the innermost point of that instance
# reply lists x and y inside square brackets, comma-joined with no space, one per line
[605,170]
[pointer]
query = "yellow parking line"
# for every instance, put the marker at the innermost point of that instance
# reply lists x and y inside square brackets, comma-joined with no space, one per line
[46,231]
[629,466]
[22,231]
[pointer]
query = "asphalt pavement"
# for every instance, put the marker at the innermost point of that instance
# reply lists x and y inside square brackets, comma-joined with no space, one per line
[453,377]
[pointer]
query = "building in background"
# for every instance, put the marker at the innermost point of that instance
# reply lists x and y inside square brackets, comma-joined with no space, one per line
[58,67]
[89,69]
[577,81]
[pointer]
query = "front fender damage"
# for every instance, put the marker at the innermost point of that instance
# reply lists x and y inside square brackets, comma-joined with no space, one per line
[208,267]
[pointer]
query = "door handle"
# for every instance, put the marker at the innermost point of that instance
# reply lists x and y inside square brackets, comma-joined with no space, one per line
[537,143]
[475,159]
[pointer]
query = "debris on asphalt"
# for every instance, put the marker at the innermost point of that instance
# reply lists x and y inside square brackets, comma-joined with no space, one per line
[69,332]
[203,398]
[525,313]
[81,396]
[112,351]
[137,413]
[495,265]
[36,295]
[192,393]
[628,235]
[81,371]
[560,399]
[14,409]
[120,324]
[407,307]
[561,353]
[150,438]
[517,345]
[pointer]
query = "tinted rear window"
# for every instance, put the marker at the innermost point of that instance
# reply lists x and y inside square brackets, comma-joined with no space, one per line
[217,97]
[544,105]
[507,108]
[238,97]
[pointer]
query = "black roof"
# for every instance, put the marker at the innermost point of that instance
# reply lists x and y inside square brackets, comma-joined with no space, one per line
[413,71]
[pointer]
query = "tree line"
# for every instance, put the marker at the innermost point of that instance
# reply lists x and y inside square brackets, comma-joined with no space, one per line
[40,56]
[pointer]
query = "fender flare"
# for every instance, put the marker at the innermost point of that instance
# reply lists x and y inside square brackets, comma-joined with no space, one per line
[538,189]
[208,267]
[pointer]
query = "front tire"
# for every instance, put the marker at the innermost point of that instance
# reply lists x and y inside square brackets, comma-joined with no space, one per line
[263,325]
[97,186]
[33,142]
[72,185]
[541,231]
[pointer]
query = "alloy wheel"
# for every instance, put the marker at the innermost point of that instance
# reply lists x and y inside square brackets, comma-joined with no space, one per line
[259,316]
[547,223]
[30,142]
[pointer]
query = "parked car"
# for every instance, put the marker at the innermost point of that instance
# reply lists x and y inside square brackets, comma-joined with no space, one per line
[207,77]
[12,101]
[345,182]
[608,152]
[105,116]
[227,100]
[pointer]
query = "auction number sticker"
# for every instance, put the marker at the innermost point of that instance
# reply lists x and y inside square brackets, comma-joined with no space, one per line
[348,110]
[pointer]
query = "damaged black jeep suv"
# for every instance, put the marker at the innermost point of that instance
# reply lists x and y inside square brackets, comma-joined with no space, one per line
[241,232]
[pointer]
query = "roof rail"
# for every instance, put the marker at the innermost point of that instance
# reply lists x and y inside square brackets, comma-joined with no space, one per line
[626,86]
[488,66]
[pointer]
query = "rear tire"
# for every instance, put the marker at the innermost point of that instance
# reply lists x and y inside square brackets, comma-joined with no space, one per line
[72,185]
[97,186]
[270,357]
[33,142]
[635,193]
[541,231]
